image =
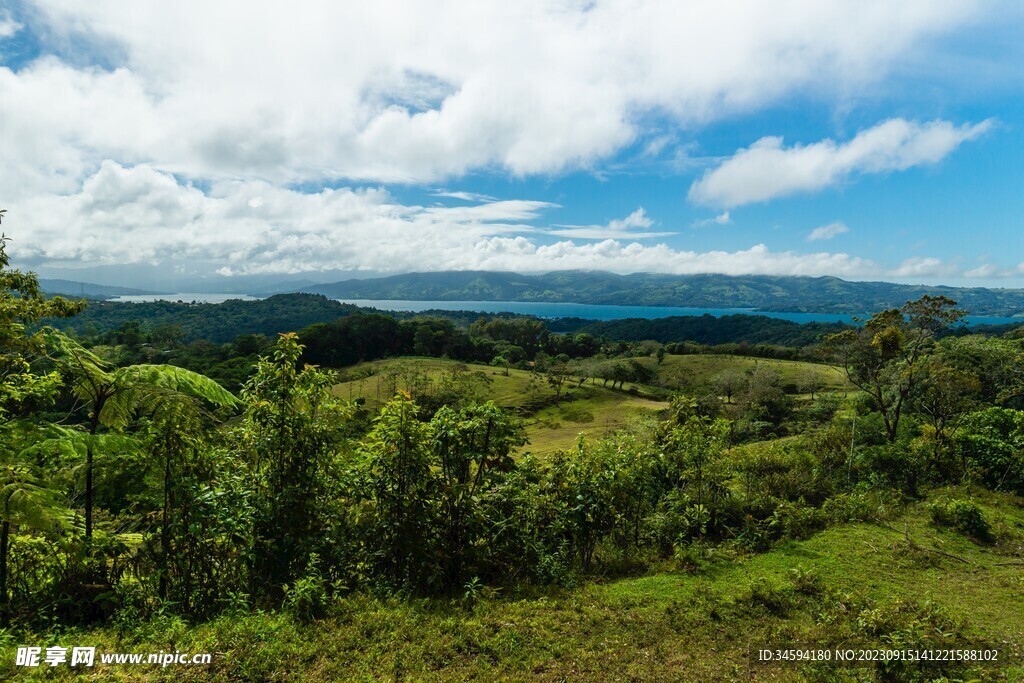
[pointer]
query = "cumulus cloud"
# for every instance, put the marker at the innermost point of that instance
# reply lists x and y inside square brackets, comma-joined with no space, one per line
[121,214]
[767,169]
[252,104]
[401,92]
[922,266]
[827,232]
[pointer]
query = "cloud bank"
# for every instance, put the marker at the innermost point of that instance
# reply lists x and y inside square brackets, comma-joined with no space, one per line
[418,92]
[250,227]
[149,132]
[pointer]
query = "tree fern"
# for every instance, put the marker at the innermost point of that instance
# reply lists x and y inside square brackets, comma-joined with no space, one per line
[115,395]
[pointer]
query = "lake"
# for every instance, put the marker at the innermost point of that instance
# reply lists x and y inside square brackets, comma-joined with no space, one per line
[612,312]
[187,297]
[545,309]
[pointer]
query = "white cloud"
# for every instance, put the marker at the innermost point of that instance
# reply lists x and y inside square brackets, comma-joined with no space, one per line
[631,227]
[120,216]
[464,196]
[986,270]
[248,103]
[415,92]
[827,232]
[920,266]
[8,26]
[767,170]
[637,219]
[721,219]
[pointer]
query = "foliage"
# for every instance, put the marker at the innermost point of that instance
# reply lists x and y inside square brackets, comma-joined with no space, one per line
[990,443]
[395,524]
[288,440]
[885,358]
[963,515]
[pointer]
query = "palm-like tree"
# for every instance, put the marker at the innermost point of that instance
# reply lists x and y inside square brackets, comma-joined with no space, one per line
[113,396]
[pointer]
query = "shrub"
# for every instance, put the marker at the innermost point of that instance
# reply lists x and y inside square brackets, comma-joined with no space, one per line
[850,507]
[989,444]
[307,598]
[963,516]
[797,520]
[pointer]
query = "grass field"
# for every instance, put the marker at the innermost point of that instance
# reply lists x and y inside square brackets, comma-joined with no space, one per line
[849,580]
[591,409]
[551,423]
[702,369]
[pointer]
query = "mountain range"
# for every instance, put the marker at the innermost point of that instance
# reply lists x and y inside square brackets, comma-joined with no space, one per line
[86,290]
[757,292]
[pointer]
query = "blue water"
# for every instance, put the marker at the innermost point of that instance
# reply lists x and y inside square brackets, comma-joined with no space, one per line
[547,309]
[187,297]
[610,312]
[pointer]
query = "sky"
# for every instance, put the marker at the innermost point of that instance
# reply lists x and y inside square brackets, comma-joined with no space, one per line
[864,139]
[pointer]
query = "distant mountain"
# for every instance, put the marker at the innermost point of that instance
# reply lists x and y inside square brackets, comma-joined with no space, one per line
[87,289]
[758,292]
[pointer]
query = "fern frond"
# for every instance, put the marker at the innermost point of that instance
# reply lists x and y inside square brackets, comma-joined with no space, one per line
[176,379]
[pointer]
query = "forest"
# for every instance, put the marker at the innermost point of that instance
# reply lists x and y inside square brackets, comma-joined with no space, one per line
[317,492]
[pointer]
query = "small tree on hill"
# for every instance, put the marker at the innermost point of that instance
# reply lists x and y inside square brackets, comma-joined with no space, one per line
[885,357]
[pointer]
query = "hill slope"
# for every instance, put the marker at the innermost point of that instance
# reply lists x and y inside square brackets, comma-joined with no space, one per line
[854,584]
[86,289]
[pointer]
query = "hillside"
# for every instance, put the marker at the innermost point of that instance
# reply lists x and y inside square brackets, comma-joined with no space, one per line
[86,289]
[213,322]
[707,329]
[554,422]
[702,368]
[551,422]
[764,292]
[895,583]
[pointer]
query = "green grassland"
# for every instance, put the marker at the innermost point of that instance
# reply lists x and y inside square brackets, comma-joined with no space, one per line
[702,369]
[553,423]
[894,581]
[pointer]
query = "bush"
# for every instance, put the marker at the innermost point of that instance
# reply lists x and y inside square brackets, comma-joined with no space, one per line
[797,520]
[989,444]
[963,516]
[308,597]
[896,466]
[850,507]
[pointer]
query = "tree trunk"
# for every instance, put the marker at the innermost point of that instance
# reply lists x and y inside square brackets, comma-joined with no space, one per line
[5,601]
[88,490]
[165,531]
[94,426]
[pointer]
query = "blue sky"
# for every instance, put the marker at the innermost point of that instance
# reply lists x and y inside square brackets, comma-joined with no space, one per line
[867,140]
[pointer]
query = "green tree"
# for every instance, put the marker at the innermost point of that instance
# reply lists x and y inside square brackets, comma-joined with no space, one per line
[468,446]
[944,396]
[884,358]
[25,500]
[557,375]
[728,383]
[113,396]
[291,436]
[22,304]
[398,464]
